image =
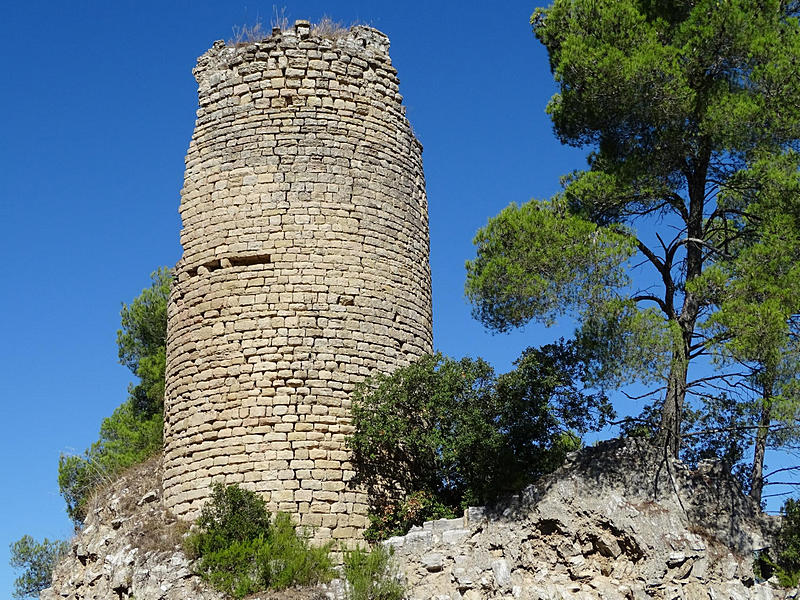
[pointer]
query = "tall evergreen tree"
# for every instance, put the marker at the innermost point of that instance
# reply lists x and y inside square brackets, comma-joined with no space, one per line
[757,295]
[675,99]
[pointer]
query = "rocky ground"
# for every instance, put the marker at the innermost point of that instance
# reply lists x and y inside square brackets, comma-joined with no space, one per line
[129,547]
[618,521]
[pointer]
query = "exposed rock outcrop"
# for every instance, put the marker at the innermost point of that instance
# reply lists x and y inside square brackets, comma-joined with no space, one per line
[616,522]
[129,547]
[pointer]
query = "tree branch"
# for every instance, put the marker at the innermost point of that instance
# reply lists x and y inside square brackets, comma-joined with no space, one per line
[710,247]
[726,429]
[796,468]
[645,395]
[656,299]
[775,495]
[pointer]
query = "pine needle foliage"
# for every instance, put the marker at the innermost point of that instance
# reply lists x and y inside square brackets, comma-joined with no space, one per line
[37,561]
[134,431]
[678,105]
[240,549]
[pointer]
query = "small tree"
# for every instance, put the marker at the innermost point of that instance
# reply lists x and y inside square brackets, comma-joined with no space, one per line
[37,560]
[441,434]
[142,342]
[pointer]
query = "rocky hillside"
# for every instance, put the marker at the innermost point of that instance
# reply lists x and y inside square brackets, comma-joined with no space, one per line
[129,547]
[616,521]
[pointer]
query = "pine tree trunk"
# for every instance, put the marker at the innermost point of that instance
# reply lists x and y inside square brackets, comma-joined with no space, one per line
[669,435]
[672,411]
[757,473]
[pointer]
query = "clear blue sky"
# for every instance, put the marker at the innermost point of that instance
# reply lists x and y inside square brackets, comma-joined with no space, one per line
[97,103]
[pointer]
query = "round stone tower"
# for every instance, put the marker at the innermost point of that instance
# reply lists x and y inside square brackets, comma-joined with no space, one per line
[305,269]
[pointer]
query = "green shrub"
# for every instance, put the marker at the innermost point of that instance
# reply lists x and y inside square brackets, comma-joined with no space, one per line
[37,561]
[454,434]
[241,550]
[397,518]
[133,432]
[370,575]
[232,514]
[233,568]
[125,440]
[785,565]
[788,556]
[287,557]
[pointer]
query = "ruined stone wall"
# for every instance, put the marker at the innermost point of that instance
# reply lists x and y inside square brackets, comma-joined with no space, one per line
[305,268]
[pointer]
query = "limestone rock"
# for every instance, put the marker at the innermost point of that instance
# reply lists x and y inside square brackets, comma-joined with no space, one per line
[615,522]
[130,547]
[603,527]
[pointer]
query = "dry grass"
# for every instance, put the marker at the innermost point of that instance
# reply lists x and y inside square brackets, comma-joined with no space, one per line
[138,478]
[148,525]
[279,18]
[329,29]
[294,593]
[325,28]
[160,533]
[246,34]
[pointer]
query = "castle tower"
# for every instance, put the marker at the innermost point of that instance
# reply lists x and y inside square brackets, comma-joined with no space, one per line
[304,269]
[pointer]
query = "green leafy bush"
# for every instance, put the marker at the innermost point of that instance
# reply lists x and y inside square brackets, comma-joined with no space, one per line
[232,514]
[370,575]
[37,561]
[441,434]
[134,430]
[241,550]
[397,518]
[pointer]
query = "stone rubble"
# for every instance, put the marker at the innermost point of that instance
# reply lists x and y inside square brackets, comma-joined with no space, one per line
[129,547]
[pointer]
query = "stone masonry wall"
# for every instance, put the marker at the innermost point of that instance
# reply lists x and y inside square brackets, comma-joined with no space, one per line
[305,268]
